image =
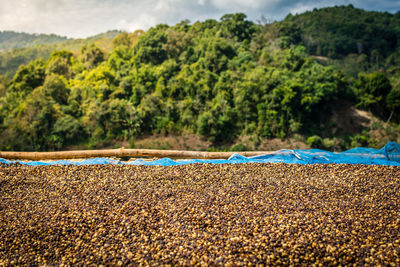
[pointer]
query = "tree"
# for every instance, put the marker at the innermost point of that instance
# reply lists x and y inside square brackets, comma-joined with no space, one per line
[4,81]
[122,40]
[92,56]
[177,42]
[55,87]
[237,27]
[149,48]
[28,77]
[60,63]
[119,118]
[372,90]
[217,124]
[290,33]
[36,119]
[215,53]
[68,130]
[393,101]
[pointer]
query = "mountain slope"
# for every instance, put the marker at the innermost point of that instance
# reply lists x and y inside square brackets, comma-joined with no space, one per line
[342,30]
[11,40]
[10,60]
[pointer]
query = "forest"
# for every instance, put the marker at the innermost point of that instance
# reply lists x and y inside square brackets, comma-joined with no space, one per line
[218,79]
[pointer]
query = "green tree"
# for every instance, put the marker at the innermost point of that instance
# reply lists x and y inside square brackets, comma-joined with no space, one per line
[290,33]
[4,81]
[119,119]
[55,86]
[35,121]
[60,63]
[68,130]
[217,124]
[122,40]
[393,102]
[237,27]
[92,56]
[149,48]
[372,90]
[28,77]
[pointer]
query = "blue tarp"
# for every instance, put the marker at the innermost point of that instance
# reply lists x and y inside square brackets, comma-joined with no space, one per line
[388,155]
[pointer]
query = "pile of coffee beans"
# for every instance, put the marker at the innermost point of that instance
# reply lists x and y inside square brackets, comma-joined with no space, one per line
[200,214]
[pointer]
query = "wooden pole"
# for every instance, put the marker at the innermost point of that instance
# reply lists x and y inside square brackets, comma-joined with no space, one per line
[122,152]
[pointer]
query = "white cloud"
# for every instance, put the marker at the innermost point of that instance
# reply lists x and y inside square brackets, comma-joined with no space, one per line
[303,7]
[56,16]
[300,9]
[249,4]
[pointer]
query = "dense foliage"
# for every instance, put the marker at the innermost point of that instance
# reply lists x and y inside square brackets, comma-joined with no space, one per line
[218,79]
[342,30]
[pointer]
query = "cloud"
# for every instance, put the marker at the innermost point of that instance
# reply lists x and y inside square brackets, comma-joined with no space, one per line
[304,6]
[82,18]
[239,4]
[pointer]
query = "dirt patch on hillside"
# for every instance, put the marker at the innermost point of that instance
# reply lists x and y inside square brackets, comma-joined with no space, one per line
[175,142]
[194,142]
[276,144]
[271,144]
[348,120]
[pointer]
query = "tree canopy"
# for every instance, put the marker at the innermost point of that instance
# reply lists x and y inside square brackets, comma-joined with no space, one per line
[217,79]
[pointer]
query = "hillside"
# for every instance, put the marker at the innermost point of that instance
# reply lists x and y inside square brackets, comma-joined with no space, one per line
[10,40]
[231,83]
[342,30]
[21,48]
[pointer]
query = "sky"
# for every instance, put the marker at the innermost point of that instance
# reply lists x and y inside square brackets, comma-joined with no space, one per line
[84,18]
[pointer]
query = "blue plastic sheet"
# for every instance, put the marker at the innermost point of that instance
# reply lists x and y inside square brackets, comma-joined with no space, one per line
[388,155]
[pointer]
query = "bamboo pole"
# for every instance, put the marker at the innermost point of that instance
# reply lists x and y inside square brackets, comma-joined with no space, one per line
[122,152]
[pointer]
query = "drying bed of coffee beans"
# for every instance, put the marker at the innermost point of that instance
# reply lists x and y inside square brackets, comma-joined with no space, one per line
[200,214]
